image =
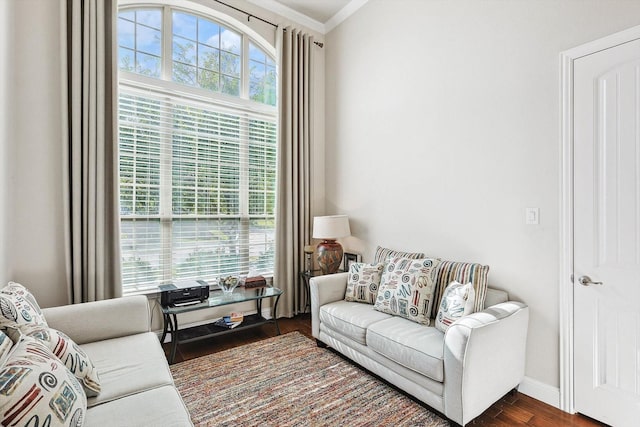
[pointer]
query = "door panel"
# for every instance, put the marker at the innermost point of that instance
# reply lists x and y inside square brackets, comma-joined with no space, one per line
[607,234]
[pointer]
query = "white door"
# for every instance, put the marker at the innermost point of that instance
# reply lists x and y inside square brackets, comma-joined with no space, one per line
[607,234]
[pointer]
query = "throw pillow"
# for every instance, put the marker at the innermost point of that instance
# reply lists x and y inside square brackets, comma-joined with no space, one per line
[463,272]
[407,287]
[383,254]
[363,282]
[457,301]
[5,346]
[19,307]
[36,389]
[69,353]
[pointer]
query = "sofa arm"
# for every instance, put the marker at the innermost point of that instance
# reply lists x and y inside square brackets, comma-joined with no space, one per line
[484,358]
[325,289]
[101,320]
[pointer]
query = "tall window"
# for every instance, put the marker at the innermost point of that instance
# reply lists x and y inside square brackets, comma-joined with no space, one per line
[197,129]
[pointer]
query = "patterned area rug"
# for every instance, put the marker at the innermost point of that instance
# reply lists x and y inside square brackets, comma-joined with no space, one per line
[288,381]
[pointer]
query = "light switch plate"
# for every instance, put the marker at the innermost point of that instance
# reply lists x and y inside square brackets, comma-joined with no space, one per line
[532,216]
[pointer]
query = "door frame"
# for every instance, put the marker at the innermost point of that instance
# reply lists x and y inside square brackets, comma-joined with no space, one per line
[565,280]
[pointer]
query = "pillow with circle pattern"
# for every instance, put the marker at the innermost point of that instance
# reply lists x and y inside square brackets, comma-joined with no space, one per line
[363,282]
[69,353]
[407,287]
[36,389]
[19,307]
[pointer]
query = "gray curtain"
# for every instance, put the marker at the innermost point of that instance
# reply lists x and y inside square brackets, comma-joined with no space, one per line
[295,130]
[91,194]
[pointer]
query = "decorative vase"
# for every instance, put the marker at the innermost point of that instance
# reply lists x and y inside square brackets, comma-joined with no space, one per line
[329,256]
[228,284]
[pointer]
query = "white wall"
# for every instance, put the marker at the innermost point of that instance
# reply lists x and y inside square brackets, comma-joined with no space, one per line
[4,67]
[442,126]
[32,143]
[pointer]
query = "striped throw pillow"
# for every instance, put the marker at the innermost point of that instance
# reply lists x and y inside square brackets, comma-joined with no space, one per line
[462,272]
[383,255]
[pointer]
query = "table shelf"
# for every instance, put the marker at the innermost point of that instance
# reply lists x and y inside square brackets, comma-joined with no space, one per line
[200,332]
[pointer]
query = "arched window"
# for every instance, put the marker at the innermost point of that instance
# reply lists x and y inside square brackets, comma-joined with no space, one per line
[197,139]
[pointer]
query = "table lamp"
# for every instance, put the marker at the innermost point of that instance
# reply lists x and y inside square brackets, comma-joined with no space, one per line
[329,228]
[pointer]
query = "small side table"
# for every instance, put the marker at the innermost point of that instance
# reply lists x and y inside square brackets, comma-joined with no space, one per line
[306,285]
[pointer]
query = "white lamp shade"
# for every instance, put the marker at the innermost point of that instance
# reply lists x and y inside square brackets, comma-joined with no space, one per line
[331,227]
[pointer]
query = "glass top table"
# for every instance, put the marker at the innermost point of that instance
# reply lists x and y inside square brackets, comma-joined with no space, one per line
[217,298]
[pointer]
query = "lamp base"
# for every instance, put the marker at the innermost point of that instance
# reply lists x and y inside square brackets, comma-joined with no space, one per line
[329,256]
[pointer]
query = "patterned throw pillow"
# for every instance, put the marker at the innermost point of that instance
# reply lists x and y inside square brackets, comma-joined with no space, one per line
[363,283]
[19,307]
[463,272]
[407,288]
[69,353]
[5,346]
[457,301]
[383,255]
[36,389]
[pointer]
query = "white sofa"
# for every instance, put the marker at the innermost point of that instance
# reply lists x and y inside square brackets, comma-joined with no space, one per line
[459,373]
[137,386]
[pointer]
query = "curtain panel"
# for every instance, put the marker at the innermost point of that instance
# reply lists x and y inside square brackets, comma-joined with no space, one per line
[295,130]
[91,171]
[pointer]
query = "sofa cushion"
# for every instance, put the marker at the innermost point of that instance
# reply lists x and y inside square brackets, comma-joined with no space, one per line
[412,345]
[383,254]
[463,272]
[457,301]
[19,307]
[407,288]
[36,389]
[351,319]
[128,365]
[160,406]
[363,282]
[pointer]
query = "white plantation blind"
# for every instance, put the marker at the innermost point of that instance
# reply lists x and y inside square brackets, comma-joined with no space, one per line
[197,189]
[197,139]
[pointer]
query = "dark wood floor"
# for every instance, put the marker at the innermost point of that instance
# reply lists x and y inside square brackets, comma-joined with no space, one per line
[514,409]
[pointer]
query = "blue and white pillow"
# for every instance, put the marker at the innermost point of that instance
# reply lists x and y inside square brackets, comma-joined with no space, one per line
[18,307]
[457,301]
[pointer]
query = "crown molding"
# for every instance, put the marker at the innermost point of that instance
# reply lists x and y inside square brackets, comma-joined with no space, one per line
[343,14]
[290,14]
[308,22]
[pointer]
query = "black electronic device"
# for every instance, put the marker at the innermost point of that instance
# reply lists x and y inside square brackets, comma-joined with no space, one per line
[184,293]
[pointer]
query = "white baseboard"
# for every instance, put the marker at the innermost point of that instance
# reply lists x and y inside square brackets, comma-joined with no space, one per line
[540,391]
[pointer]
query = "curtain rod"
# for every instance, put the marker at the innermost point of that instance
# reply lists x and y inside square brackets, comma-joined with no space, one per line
[250,15]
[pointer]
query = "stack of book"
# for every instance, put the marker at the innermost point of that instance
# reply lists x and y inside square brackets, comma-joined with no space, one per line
[231,321]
